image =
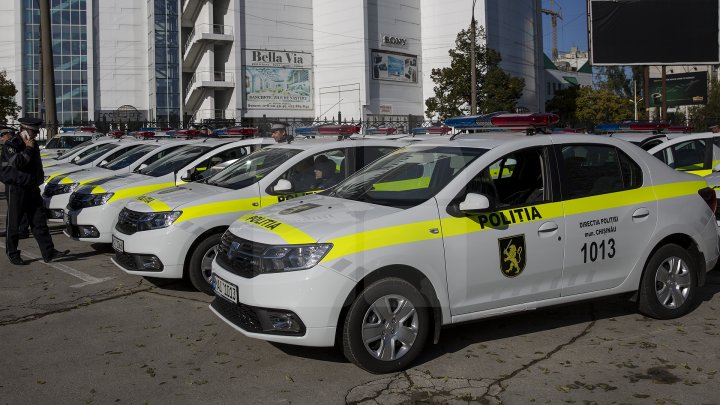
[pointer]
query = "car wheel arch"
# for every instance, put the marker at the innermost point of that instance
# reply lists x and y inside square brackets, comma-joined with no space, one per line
[688,243]
[196,242]
[407,273]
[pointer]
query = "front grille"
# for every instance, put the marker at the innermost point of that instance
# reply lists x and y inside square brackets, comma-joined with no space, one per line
[242,315]
[126,260]
[128,221]
[240,256]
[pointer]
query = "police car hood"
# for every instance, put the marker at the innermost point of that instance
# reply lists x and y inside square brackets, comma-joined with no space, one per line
[191,194]
[122,181]
[310,219]
[61,168]
[82,176]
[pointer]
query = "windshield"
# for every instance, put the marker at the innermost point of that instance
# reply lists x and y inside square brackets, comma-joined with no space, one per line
[128,157]
[175,161]
[406,177]
[251,168]
[93,153]
[73,150]
[66,142]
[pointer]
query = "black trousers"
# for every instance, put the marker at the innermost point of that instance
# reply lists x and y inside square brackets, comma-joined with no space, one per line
[24,227]
[26,201]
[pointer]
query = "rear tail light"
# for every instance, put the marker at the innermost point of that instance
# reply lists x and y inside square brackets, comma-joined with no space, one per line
[708,194]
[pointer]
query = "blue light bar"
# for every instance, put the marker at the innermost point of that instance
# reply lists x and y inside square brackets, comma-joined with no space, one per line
[306,131]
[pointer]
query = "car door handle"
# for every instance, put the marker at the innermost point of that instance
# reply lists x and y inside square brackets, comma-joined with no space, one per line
[640,214]
[547,229]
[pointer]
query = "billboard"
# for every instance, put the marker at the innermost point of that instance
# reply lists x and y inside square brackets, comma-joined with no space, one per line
[395,67]
[278,80]
[680,89]
[653,32]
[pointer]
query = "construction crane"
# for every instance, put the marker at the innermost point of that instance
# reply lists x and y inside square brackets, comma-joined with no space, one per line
[554,15]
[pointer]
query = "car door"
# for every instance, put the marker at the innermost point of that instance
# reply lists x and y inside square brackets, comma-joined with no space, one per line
[608,213]
[511,254]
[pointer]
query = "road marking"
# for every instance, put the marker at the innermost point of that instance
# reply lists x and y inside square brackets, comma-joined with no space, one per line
[86,278]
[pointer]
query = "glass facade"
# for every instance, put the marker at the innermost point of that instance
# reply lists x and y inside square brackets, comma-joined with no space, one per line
[167,61]
[69,43]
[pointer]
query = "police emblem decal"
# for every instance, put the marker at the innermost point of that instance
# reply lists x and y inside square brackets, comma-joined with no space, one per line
[512,255]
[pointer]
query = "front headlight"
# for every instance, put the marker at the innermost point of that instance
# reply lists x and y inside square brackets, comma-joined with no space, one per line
[293,257]
[66,188]
[78,201]
[157,220]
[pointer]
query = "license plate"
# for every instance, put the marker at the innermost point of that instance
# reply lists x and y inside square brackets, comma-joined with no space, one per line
[224,289]
[118,244]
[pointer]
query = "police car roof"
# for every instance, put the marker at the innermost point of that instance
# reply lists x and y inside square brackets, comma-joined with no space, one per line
[494,139]
[315,144]
[683,138]
[636,136]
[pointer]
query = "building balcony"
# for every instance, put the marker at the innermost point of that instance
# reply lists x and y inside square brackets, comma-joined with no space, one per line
[204,81]
[202,35]
[190,11]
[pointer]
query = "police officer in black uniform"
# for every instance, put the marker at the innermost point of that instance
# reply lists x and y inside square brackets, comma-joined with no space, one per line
[5,134]
[22,154]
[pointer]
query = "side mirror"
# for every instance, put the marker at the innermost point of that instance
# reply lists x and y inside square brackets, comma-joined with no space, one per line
[716,168]
[75,159]
[189,175]
[475,203]
[142,166]
[283,185]
[103,163]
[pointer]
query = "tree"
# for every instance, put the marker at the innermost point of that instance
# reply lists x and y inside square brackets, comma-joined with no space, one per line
[595,106]
[709,114]
[496,90]
[8,106]
[564,104]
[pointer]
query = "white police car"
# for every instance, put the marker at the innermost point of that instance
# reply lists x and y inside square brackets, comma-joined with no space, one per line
[56,192]
[93,208]
[198,213]
[442,232]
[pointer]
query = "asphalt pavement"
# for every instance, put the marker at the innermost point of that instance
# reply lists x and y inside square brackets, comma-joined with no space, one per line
[80,331]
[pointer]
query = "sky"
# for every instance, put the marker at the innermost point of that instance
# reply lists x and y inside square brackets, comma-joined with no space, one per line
[571,29]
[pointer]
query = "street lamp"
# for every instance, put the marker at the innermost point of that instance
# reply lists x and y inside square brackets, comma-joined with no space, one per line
[473,80]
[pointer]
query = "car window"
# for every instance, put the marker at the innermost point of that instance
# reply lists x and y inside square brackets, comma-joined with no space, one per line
[250,169]
[688,155]
[316,172]
[127,157]
[174,161]
[514,180]
[91,154]
[368,154]
[205,168]
[596,169]
[75,149]
[407,177]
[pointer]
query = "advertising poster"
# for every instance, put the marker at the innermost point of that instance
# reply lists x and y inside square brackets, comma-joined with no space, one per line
[680,89]
[278,80]
[396,67]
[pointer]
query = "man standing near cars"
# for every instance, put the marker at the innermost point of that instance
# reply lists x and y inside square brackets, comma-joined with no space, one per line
[21,154]
[5,134]
[279,133]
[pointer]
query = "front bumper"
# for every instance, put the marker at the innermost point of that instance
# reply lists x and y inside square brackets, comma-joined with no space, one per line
[55,206]
[101,217]
[315,296]
[168,245]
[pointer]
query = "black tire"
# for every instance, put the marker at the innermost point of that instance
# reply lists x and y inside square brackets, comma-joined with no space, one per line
[198,269]
[669,284]
[406,336]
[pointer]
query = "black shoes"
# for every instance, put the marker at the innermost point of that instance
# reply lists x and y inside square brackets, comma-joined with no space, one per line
[55,254]
[17,260]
